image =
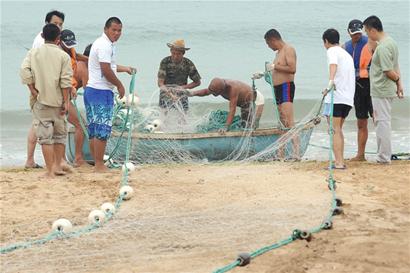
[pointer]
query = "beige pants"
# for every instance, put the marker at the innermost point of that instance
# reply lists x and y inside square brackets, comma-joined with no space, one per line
[382,123]
[49,124]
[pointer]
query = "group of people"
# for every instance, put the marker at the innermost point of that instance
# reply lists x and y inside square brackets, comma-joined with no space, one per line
[364,73]
[53,72]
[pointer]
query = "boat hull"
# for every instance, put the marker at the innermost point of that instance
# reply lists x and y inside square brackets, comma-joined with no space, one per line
[159,147]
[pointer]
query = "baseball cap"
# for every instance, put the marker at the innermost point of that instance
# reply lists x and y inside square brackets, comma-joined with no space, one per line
[68,38]
[355,26]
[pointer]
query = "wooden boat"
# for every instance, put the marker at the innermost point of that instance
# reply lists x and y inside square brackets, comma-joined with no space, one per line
[174,147]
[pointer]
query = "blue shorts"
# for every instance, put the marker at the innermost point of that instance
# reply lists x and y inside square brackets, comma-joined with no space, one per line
[99,106]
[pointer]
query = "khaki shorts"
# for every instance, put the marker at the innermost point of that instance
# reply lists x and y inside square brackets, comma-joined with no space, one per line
[50,125]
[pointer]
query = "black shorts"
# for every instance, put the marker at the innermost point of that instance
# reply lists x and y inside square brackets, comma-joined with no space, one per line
[284,92]
[362,99]
[341,110]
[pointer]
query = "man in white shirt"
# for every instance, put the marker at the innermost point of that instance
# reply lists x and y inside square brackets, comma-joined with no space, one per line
[98,95]
[342,82]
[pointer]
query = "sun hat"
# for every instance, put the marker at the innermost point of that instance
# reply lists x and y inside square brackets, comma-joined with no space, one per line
[178,44]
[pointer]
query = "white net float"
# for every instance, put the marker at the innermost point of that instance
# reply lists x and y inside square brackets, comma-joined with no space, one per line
[126,192]
[108,208]
[96,217]
[127,100]
[130,166]
[150,128]
[62,225]
[156,123]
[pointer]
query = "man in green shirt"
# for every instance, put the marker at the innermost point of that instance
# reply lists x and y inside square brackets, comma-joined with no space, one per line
[385,84]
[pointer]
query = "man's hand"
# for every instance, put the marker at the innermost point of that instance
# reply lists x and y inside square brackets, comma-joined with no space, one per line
[330,86]
[33,90]
[73,93]
[400,92]
[223,130]
[257,75]
[186,92]
[269,67]
[130,70]
[64,108]
[121,91]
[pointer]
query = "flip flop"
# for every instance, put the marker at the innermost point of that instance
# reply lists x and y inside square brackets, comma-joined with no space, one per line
[333,167]
[36,166]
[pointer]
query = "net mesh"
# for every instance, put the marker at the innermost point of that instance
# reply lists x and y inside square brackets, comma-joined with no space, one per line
[147,233]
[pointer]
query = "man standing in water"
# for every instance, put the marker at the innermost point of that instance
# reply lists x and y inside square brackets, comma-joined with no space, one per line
[98,95]
[283,71]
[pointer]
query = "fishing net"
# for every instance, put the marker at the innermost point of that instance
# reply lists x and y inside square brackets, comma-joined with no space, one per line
[174,135]
[149,232]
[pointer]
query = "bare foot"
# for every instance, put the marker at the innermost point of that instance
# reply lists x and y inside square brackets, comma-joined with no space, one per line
[358,158]
[48,176]
[67,168]
[79,162]
[59,172]
[102,169]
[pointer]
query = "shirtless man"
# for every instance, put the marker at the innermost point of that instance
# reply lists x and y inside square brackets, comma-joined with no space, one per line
[239,94]
[283,71]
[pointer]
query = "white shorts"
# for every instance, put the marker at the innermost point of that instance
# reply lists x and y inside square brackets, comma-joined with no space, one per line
[260,99]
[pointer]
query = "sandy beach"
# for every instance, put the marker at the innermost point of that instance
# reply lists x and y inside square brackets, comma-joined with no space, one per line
[197,218]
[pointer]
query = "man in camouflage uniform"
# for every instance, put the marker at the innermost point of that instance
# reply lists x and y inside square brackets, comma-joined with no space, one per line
[175,70]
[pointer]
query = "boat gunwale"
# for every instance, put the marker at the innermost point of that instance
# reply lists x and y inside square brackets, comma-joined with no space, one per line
[184,136]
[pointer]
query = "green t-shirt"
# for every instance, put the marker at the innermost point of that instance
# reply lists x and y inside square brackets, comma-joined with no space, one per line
[385,58]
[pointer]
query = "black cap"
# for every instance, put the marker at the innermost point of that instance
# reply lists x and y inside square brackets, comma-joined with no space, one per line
[355,26]
[68,38]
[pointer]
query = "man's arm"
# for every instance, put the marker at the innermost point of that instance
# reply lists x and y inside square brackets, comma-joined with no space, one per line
[200,93]
[130,70]
[25,70]
[394,75]
[232,110]
[112,78]
[81,57]
[192,85]
[290,67]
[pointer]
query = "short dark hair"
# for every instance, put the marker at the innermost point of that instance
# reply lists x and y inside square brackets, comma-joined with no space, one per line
[373,22]
[87,50]
[51,32]
[52,13]
[111,20]
[272,33]
[331,35]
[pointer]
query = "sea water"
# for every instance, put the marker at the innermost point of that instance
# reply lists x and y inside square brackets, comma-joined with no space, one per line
[226,40]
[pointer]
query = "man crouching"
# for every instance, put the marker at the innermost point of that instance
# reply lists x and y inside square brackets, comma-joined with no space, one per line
[240,95]
[47,72]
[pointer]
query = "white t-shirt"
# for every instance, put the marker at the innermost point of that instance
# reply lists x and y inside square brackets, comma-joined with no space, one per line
[102,51]
[345,76]
[38,41]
